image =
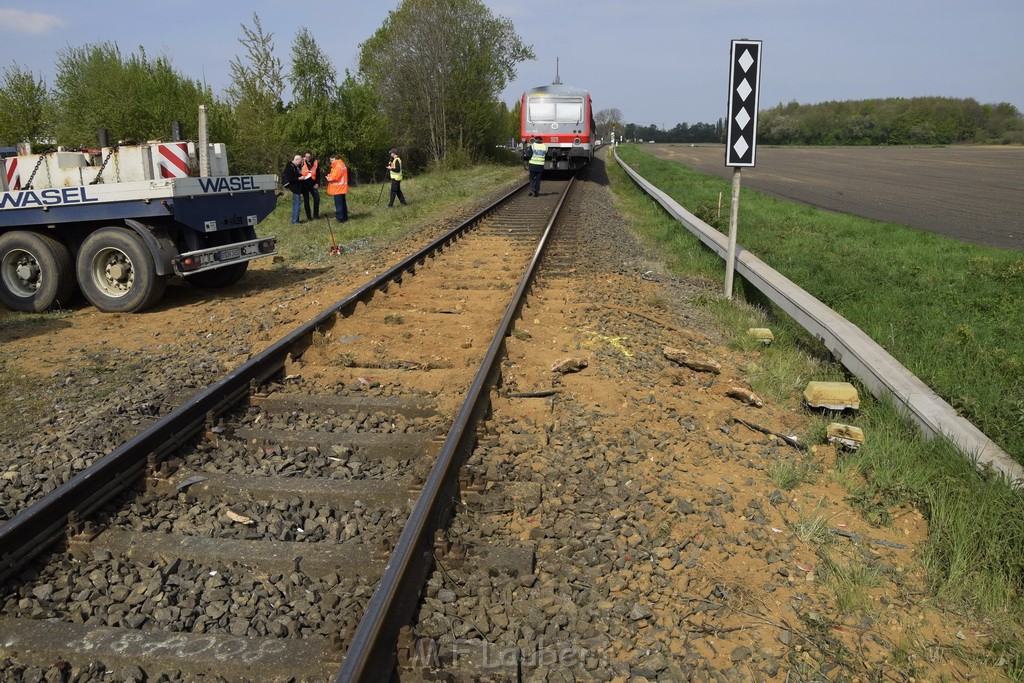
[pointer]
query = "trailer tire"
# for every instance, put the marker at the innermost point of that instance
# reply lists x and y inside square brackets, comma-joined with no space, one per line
[219,278]
[36,272]
[117,273]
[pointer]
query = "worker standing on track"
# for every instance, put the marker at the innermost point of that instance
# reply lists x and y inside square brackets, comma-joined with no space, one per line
[538,150]
[337,187]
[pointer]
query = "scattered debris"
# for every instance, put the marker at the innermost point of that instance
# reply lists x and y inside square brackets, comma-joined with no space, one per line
[239,517]
[791,440]
[858,537]
[762,334]
[674,355]
[745,395]
[831,395]
[695,363]
[190,481]
[534,394]
[567,365]
[847,437]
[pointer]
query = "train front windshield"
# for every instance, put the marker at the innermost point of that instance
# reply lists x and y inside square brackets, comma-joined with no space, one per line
[558,111]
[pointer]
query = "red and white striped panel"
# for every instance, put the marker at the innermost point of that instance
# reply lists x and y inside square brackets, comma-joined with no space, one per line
[12,174]
[172,160]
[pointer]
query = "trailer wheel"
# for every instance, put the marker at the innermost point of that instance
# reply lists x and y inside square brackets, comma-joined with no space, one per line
[219,278]
[116,272]
[35,272]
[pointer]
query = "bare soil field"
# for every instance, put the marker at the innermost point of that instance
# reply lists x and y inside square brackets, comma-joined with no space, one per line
[974,194]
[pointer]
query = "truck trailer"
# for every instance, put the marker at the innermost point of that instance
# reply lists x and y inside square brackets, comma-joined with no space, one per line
[117,222]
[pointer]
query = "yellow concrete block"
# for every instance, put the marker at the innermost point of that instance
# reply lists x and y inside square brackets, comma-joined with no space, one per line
[762,334]
[845,436]
[831,395]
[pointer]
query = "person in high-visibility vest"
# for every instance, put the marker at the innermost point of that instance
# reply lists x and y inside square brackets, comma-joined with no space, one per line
[395,170]
[311,184]
[538,150]
[337,187]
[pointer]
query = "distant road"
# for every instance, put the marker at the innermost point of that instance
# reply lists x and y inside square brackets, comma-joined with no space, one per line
[974,194]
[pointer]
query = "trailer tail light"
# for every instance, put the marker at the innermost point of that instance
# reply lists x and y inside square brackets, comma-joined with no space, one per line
[187,264]
[216,257]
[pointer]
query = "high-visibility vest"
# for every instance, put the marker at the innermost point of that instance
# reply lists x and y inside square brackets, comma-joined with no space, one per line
[309,172]
[395,168]
[337,179]
[540,150]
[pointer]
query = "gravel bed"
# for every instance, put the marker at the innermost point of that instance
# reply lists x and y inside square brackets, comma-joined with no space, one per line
[339,463]
[612,534]
[330,422]
[186,596]
[282,520]
[94,413]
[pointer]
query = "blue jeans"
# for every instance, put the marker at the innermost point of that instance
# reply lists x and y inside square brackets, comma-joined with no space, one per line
[296,205]
[340,208]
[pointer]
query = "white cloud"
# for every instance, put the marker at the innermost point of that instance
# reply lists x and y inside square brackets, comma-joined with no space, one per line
[34,23]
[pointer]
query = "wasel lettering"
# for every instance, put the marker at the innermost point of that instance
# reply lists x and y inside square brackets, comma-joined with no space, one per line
[229,184]
[51,197]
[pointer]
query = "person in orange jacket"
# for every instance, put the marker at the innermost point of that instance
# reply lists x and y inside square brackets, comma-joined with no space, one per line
[337,187]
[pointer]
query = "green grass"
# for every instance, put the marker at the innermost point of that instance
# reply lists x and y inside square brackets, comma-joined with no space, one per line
[950,312]
[430,196]
[974,555]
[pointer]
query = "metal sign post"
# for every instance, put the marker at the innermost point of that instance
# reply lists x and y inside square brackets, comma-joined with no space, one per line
[741,136]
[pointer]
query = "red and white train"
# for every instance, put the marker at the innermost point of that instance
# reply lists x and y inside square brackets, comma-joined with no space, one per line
[563,118]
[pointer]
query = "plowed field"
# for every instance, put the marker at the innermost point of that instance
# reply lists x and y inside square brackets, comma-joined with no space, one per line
[974,194]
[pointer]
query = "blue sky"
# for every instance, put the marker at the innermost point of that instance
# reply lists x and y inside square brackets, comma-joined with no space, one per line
[658,61]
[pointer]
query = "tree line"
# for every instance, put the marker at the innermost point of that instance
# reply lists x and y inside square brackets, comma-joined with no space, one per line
[892,121]
[428,81]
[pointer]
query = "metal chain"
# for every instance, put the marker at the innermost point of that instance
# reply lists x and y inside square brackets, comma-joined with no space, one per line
[28,185]
[99,174]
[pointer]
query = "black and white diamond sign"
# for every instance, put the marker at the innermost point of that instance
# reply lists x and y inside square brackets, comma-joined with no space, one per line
[744,77]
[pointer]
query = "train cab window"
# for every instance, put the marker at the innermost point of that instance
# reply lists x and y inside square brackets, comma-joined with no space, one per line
[561,112]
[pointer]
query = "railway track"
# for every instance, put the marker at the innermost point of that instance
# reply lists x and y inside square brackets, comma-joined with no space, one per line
[623,522]
[280,524]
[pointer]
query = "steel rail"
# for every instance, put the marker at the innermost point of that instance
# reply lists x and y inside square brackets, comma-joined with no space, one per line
[371,655]
[30,531]
[882,374]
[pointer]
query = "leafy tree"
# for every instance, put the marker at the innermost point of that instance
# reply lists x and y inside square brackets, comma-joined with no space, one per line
[313,80]
[134,97]
[358,130]
[608,120]
[438,67]
[25,109]
[255,95]
[515,122]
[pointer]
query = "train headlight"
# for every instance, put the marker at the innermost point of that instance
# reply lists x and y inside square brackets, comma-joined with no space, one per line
[576,141]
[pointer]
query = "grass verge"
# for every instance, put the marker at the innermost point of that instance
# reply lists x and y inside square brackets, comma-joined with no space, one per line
[429,196]
[974,557]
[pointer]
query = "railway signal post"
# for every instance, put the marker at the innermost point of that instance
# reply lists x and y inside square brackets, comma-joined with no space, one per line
[741,136]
